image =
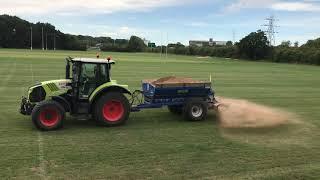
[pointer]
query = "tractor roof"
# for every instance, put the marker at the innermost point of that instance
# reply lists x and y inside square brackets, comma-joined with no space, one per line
[93,60]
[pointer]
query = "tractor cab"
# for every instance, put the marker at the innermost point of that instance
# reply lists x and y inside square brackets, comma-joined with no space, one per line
[87,74]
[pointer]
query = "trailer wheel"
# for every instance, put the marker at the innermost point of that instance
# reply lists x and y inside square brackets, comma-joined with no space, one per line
[195,110]
[175,109]
[112,109]
[48,115]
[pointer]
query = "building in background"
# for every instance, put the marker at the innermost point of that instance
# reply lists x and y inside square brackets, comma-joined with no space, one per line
[211,42]
[220,43]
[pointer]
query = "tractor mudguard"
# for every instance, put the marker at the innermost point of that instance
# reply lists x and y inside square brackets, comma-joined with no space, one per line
[63,102]
[110,86]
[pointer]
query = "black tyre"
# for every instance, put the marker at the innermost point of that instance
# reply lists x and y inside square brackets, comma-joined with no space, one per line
[175,109]
[48,115]
[112,109]
[195,110]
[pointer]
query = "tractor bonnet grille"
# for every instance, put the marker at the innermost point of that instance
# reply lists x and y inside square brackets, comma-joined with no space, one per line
[53,87]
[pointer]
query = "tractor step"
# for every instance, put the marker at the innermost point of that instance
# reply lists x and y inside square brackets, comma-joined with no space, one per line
[84,117]
[83,108]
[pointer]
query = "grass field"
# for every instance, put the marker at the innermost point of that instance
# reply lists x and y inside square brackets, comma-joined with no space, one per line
[155,144]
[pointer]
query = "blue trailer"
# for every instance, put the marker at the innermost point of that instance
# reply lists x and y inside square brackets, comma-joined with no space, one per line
[193,100]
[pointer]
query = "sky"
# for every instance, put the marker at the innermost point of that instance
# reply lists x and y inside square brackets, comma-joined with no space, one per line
[163,21]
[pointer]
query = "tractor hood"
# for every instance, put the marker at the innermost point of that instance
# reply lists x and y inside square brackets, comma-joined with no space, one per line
[60,84]
[56,87]
[51,88]
[54,84]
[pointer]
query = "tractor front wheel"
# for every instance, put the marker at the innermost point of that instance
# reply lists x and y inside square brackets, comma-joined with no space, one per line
[48,115]
[112,109]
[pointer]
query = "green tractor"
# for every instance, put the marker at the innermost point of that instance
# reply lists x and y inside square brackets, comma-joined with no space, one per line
[88,91]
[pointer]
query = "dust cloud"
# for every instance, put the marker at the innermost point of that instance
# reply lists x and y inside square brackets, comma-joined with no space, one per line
[237,113]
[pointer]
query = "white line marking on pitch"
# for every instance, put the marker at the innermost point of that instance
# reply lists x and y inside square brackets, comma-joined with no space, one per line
[32,75]
[8,77]
[42,165]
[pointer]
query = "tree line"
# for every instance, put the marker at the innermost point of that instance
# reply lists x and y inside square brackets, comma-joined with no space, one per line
[16,33]
[255,47]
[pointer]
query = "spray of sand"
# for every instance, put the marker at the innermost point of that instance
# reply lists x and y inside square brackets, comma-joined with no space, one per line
[237,113]
[252,123]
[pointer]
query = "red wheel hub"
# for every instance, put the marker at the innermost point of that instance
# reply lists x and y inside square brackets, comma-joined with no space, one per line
[49,117]
[113,110]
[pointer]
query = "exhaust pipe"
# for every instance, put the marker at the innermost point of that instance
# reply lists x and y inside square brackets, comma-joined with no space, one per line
[68,69]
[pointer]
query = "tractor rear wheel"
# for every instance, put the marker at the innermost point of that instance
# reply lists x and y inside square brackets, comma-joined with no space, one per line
[112,109]
[195,110]
[48,115]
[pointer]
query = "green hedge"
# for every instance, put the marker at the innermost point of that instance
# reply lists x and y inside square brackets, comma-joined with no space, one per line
[297,55]
[222,51]
[279,54]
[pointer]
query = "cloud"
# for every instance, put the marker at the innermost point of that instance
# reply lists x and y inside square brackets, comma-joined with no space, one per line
[113,31]
[278,5]
[80,7]
[123,31]
[296,6]
[198,24]
[302,38]
[246,4]
[301,22]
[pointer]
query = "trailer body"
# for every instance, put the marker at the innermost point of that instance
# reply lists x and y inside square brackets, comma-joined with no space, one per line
[178,95]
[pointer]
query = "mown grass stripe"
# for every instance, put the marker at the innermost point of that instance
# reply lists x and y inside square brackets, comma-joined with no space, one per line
[41,163]
[8,77]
